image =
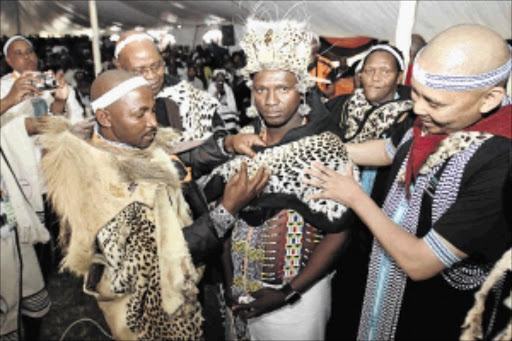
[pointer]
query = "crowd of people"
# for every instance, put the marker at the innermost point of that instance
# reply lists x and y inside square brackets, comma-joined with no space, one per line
[249,196]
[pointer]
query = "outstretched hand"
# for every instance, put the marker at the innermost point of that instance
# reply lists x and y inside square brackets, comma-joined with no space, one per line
[265,300]
[341,188]
[243,143]
[240,190]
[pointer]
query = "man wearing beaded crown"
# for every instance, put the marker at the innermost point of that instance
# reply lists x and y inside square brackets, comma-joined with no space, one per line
[442,224]
[282,247]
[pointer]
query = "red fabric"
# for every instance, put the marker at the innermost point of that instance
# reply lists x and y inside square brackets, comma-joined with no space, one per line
[348,42]
[498,124]
[409,75]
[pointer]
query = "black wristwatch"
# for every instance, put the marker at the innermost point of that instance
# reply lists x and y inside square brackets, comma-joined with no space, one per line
[290,296]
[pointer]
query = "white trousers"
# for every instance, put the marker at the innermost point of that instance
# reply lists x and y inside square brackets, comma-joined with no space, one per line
[19,269]
[304,320]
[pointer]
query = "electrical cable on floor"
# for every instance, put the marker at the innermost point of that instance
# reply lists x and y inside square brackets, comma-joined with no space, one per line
[86,319]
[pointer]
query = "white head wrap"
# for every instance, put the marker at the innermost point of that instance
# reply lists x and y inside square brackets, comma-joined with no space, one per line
[12,40]
[387,48]
[135,37]
[460,83]
[117,92]
[217,71]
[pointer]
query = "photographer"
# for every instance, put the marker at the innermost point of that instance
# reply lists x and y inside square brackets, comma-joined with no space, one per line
[27,91]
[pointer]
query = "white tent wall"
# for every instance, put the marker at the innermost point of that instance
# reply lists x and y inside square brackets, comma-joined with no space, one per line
[328,18]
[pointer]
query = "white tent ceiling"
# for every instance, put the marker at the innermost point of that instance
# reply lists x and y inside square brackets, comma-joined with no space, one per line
[328,18]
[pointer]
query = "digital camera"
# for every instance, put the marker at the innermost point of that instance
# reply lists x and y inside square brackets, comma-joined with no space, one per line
[46,82]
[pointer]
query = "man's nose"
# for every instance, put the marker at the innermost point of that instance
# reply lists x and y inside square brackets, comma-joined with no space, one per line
[377,75]
[420,107]
[151,120]
[272,98]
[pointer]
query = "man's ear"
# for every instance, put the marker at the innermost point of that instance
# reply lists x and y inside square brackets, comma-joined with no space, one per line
[491,99]
[103,117]
[8,60]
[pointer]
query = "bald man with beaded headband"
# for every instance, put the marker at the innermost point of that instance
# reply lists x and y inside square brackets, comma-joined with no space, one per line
[133,224]
[442,225]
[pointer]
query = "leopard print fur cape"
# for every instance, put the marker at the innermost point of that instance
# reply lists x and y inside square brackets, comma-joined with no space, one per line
[123,199]
[453,144]
[197,108]
[363,123]
[129,245]
[287,163]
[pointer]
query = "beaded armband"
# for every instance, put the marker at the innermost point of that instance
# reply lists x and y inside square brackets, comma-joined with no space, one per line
[222,220]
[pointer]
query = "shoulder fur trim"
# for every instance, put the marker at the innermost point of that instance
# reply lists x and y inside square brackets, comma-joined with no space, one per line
[89,184]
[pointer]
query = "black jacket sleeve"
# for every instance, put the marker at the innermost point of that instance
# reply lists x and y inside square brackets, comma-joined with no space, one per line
[204,158]
[202,240]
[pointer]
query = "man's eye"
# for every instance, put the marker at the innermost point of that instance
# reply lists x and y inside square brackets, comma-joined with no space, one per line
[433,105]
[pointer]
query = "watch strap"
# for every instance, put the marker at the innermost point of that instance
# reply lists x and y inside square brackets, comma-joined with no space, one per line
[290,296]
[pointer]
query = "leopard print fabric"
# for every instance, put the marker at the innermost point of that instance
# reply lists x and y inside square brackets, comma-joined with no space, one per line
[196,110]
[287,164]
[455,143]
[452,145]
[129,246]
[358,128]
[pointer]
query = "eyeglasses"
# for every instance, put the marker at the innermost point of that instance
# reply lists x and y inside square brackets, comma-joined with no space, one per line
[153,68]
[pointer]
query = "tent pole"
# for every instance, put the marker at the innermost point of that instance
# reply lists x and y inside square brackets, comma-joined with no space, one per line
[93,15]
[404,25]
[194,40]
[18,24]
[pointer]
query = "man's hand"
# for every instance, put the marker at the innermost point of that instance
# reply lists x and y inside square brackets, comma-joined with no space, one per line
[341,188]
[22,88]
[62,91]
[243,143]
[266,300]
[240,190]
[60,94]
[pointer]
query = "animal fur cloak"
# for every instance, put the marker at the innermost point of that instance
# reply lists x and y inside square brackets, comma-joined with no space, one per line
[121,213]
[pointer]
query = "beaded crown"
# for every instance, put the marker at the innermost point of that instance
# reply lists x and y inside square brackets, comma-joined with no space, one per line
[278,45]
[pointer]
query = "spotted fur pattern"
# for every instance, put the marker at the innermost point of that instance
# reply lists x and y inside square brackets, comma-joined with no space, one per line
[380,120]
[287,164]
[455,143]
[129,246]
[197,108]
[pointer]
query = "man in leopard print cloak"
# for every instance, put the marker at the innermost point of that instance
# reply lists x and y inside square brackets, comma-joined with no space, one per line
[442,224]
[126,208]
[280,254]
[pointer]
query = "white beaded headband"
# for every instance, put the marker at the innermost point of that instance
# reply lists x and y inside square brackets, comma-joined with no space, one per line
[117,92]
[460,83]
[136,37]
[389,49]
